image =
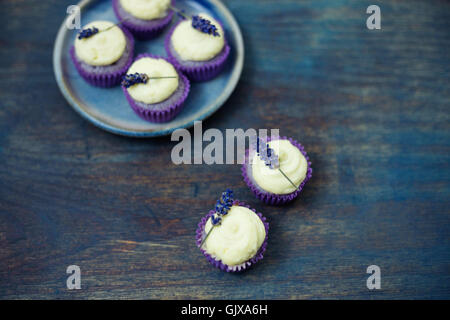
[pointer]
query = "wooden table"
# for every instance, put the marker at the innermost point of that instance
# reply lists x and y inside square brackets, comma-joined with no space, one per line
[371,108]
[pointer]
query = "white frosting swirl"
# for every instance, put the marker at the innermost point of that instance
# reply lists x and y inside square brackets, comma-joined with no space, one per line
[194,45]
[238,238]
[103,48]
[292,162]
[155,90]
[146,9]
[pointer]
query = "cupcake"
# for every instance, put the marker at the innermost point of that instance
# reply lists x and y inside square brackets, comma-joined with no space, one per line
[102,53]
[144,18]
[277,170]
[154,88]
[198,47]
[233,236]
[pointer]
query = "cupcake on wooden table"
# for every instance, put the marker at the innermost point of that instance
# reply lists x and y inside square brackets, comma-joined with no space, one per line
[233,236]
[102,53]
[144,18]
[154,88]
[276,170]
[197,46]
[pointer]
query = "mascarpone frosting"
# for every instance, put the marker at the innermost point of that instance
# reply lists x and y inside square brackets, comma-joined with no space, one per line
[103,48]
[193,45]
[238,238]
[292,162]
[146,9]
[155,90]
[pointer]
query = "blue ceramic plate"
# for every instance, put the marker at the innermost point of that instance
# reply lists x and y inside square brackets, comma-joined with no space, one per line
[108,108]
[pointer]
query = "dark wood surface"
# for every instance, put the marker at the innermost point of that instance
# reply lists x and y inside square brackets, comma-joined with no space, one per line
[371,108]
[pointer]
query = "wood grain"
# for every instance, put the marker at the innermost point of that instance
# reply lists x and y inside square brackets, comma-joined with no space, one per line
[371,108]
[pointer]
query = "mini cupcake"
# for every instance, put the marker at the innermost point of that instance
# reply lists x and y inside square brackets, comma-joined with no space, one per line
[154,88]
[102,53]
[233,236]
[198,47]
[277,170]
[144,18]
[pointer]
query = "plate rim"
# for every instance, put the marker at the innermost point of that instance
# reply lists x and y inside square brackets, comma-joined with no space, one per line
[199,116]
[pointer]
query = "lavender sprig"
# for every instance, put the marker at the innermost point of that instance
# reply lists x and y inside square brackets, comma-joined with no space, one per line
[225,202]
[269,157]
[205,26]
[199,23]
[89,32]
[135,78]
[223,205]
[266,154]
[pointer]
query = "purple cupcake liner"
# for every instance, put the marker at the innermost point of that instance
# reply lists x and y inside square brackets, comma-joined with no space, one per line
[166,110]
[106,76]
[197,70]
[268,197]
[142,29]
[200,234]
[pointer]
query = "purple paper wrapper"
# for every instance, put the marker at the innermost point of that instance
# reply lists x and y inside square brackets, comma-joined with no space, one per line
[142,29]
[197,70]
[268,197]
[106,76]
[166,110]
[200,234]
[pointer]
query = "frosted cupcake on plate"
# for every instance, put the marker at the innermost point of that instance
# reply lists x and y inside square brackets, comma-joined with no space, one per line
[154,88]
[102,53]
[276,170]
[233,236]
[197,46]
[144,18]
